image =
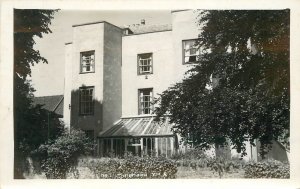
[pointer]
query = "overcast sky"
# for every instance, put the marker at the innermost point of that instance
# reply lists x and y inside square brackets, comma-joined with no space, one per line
[48,79]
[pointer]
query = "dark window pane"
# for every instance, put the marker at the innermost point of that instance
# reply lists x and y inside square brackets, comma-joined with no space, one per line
[86,101]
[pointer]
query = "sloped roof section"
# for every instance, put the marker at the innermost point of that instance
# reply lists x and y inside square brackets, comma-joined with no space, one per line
[138,127]
[51,103]
[140,29]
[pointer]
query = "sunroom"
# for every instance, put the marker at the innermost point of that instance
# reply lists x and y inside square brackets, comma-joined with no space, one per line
[139,136]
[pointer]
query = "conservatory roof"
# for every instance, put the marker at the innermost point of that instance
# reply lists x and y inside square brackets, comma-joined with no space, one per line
[138,127]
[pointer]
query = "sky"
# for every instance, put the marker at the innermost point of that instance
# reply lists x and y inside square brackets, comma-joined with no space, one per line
[48,79]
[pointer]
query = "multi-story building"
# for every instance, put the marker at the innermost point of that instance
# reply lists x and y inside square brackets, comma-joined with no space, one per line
[113,73]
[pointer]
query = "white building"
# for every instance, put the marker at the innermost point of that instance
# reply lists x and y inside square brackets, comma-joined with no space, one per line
[113,73]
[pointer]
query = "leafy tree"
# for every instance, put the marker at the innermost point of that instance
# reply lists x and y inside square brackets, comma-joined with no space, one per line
[239,90]
[30,125]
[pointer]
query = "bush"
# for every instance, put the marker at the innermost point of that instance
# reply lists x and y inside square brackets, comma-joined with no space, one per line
[132,167]
[223,165]
[267,169]
[191,154]
[196,158]
[61,157]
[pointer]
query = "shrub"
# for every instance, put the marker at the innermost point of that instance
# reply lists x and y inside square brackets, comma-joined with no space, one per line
[132,167]
[196,158]
[62,155]
[191,154]
[267,169]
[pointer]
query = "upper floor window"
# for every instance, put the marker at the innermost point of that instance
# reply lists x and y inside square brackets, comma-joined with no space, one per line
[87,62]
[145,101]
[86,100]
[191,51]
[145,62]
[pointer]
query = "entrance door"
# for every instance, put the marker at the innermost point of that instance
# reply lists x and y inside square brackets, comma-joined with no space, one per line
[134,149]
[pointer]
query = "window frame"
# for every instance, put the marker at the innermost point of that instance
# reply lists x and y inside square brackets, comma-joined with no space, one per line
[151,106]
[81,62]
[183,51]
[138,64]
[92,102]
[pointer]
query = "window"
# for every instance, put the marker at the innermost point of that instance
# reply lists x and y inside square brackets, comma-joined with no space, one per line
[86,102]
[145,63]
[191,51]
[145,101]
[89,134]
[87,62]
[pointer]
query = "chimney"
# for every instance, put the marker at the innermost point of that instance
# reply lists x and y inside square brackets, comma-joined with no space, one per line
[143,22]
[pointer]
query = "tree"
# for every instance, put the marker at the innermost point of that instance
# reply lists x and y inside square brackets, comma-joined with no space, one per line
[239,90]
[29,121]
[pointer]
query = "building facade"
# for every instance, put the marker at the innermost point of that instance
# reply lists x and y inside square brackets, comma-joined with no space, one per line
[112,74]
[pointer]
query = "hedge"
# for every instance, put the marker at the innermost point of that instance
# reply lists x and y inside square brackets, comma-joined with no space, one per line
[267,169]
[132,168]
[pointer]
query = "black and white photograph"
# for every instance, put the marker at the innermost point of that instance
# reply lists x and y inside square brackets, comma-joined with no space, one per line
[178,93]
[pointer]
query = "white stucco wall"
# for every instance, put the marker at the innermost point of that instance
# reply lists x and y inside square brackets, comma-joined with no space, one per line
[105,39]
[184,27]
[167,52]
[85,38]
[67,84]
[160,45]
[112,75]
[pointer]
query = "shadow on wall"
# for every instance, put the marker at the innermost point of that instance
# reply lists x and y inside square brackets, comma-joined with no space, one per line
[277,152]
[86,112]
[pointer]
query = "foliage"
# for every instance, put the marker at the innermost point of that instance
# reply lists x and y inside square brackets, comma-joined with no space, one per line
[239,89]
[196,159]
[29,121]
[62,155]
[133,167]
[267,169]
[223,165]
[193,153]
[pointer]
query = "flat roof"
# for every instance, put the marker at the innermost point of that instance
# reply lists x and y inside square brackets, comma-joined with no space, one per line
[97,22]
[147,32]
[179,10]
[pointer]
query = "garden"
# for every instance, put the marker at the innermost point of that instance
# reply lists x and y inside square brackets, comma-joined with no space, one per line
[64,159]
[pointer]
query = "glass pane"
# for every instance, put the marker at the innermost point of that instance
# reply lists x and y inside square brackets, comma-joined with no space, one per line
[193,51]
[192,59]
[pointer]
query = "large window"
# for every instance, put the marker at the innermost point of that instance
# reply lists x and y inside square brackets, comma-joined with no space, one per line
[86,102]
[191,51]
[145,101]
[87,62]
[145,62]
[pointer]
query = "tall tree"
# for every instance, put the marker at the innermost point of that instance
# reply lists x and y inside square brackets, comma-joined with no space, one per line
[239,90]
[30,122]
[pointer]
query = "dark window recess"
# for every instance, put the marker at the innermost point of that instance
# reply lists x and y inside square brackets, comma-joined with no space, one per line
[86,101]
[89,134]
